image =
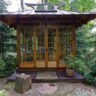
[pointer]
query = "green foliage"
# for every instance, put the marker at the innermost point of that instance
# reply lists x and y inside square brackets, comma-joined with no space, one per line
[80,65]
[82,5]
[54,1]
[81,93]
[70,61]
[89,78]
[2,64]
[75,5]
[85,93]
[2,93]
[7,45]
[10,66]
[8,49]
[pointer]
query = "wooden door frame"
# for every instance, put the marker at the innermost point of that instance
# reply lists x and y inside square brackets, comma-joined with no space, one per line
[36,27]
[57,48]
[45,27]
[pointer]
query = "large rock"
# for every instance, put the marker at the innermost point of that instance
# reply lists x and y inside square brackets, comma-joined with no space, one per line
[23,83]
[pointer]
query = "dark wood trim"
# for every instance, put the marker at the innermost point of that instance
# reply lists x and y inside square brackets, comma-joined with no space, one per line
[18,47]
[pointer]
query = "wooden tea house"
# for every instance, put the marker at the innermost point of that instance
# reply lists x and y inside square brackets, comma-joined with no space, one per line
[45,34]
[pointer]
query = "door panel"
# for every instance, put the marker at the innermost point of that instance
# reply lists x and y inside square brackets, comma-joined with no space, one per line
[52,47]
[40,47]
[27,47]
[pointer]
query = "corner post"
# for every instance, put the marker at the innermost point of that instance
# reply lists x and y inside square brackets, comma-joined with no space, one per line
[18,46]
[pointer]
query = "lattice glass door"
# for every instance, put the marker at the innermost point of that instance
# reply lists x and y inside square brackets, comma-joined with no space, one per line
[40,47]
[52,47]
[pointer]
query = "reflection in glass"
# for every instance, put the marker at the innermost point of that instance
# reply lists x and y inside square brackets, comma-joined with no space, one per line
[52,44]
[27,43]
[40,44]
[65,41]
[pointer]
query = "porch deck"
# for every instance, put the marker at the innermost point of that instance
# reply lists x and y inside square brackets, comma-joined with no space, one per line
[50,76]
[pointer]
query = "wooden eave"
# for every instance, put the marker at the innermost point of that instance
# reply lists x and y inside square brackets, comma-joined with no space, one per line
[76,19]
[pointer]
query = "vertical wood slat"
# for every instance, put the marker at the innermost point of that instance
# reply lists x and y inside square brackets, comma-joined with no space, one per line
[73,40]
[46,46]
[57,46]
[34,46]
[18,47]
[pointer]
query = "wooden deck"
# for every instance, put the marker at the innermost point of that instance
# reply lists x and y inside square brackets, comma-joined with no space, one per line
[61,77]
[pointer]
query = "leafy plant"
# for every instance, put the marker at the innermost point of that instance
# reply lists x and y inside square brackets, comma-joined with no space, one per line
[89,78]
[70,61]
[2,64]
[9,66]
[92,93]
[2,93]
[81,93]
[85,93]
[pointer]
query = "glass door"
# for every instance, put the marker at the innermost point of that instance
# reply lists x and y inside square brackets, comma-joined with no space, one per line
[27,47]
[40,47]
[52,47]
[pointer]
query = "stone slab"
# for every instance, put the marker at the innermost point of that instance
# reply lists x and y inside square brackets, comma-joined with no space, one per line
[47,75]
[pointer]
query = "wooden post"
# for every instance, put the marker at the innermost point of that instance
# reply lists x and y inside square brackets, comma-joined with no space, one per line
[18,47]
[73,41]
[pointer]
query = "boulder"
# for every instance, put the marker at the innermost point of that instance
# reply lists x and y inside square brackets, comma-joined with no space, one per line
[23,83]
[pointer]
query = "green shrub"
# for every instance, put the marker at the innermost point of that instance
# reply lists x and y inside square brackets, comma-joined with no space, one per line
[2,64]
[2,93]
[89,78]
[8,66]
[70,61]
[81,93]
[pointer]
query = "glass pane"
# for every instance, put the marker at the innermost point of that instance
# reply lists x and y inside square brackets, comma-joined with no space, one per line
[52,44]
[65,41]
[40,44]
[27,43]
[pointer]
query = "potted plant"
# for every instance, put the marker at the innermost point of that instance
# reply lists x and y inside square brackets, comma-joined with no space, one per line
[70,65]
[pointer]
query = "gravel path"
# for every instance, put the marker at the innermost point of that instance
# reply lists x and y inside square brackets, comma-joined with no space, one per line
[46,89]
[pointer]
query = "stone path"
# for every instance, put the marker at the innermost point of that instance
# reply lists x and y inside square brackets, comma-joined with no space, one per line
[48,89]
